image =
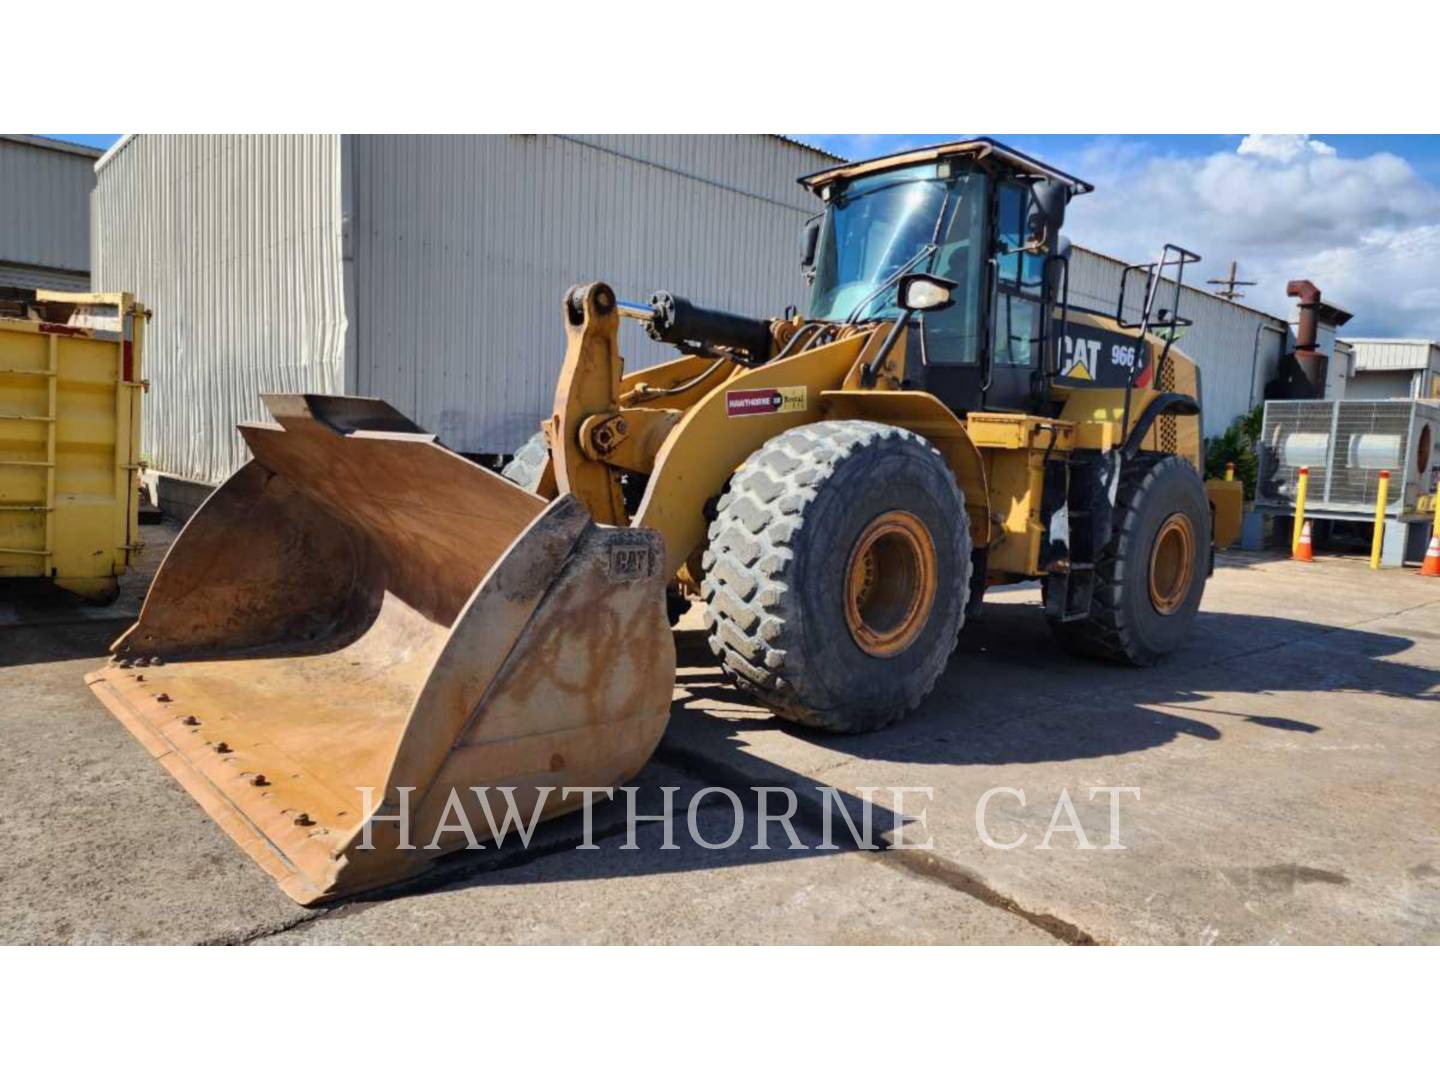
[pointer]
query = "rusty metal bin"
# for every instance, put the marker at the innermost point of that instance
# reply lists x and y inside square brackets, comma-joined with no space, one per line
[70,389]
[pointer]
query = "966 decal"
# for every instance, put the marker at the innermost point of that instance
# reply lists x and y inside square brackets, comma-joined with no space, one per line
[762,401]
[1101,356]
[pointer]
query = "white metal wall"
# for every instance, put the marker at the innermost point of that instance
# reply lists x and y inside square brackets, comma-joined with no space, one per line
[1375,354]
[1236,348]
[44,211]
[234,242]
[464,246]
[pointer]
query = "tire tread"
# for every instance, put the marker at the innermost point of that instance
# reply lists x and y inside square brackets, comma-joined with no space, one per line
[759,519]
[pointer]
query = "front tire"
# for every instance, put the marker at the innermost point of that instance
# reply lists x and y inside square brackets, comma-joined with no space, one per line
[1151,576]
[837,574]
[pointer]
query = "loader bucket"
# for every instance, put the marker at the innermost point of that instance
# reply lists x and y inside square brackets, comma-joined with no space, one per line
[360,621]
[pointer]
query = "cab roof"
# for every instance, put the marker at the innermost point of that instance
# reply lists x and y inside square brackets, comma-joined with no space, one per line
[976,149]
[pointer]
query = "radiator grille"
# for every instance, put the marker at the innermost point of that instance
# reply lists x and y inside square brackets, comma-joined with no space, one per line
[1169,424]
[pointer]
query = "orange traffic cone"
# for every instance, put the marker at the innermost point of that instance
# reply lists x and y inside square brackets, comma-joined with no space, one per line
[1303,551]
[1431,566]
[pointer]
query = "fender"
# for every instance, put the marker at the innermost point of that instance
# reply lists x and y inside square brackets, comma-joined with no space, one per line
[928,416]
[1179,404]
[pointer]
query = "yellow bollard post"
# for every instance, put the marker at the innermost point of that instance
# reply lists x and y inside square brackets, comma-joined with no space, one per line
[1229,471]
[1300,488]
[1381,498]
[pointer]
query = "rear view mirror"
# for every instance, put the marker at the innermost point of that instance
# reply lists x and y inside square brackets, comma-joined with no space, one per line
[809,242]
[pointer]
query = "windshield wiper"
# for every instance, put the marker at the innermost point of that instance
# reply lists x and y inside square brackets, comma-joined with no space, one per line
[924,252]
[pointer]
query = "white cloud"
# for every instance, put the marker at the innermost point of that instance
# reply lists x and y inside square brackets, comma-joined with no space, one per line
[1366,230]
[1284,148]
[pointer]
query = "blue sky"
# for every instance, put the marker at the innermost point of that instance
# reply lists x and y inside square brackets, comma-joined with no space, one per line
[1357,214]
[100,142]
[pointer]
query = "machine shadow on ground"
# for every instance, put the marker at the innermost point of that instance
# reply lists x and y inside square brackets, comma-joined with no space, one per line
[1010,696]
[59,639]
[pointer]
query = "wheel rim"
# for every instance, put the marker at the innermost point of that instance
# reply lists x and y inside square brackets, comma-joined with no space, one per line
[890,583]
[1172,563]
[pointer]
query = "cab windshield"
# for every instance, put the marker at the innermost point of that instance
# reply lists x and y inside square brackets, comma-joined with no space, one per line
[913,219]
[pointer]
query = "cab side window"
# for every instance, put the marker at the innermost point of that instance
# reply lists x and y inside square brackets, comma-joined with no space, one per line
[1019,283]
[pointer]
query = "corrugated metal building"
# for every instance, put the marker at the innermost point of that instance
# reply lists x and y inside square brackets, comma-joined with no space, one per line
[1236,347]
[1394,368]
[45,213]
[426,270]
[235,243]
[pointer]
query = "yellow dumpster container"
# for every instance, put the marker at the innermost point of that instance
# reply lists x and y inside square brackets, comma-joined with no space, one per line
[70,386]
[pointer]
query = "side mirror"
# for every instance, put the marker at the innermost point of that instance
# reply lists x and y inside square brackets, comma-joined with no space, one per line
[1047,216]
[809,242]
[925,292]
[914,292]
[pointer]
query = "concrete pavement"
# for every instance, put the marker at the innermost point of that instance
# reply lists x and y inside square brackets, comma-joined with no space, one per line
[1285,763]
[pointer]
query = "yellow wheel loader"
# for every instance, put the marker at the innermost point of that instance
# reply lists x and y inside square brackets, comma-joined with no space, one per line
[365,650]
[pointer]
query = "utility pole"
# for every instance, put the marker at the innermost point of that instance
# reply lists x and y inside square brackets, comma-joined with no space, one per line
[1229,292]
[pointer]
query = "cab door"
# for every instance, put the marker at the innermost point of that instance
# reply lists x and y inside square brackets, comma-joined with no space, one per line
[1014,380]
[946,348]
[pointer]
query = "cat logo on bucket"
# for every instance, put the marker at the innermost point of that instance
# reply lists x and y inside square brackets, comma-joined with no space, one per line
[631,563]
[764,400]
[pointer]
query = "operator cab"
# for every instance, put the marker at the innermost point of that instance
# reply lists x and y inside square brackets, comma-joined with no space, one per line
[980,216]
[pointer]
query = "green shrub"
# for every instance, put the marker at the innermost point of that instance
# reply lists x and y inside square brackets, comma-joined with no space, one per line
[1237,444]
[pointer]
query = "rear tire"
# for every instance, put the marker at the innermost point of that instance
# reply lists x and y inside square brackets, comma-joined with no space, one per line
[837,574]
[1151,576]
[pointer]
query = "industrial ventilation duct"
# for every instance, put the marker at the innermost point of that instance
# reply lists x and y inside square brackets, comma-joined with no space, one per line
[1345,445]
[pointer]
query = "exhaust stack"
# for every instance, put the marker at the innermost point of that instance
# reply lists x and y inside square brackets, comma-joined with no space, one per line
[1313,364]
[1304,372]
